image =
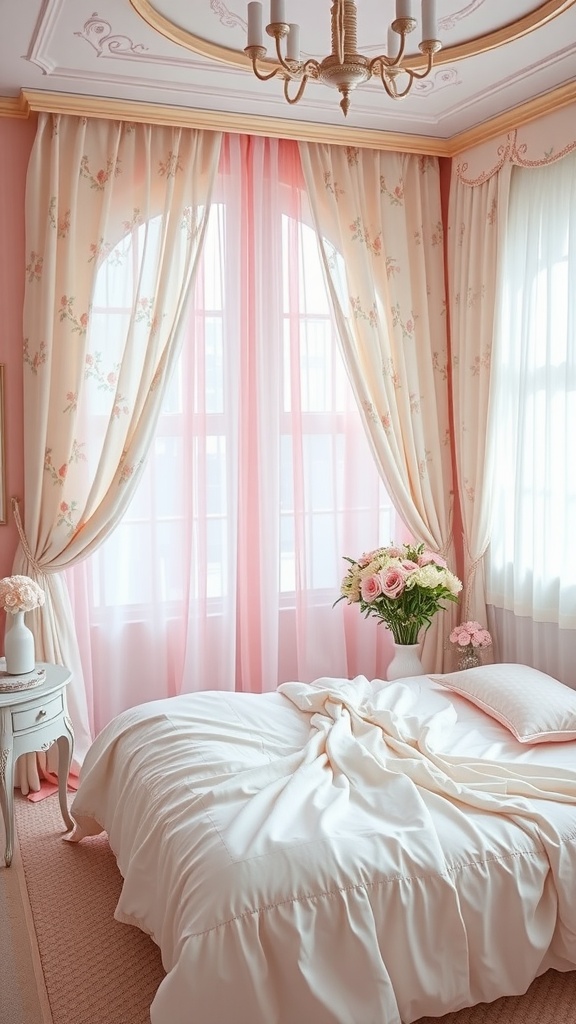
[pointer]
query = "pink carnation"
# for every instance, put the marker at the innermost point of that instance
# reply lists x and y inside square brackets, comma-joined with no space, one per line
[470,634]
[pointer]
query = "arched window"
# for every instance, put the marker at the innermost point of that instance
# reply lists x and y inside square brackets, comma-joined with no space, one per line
[224,570]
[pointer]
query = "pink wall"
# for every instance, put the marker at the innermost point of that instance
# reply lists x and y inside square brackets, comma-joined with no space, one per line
[16,138]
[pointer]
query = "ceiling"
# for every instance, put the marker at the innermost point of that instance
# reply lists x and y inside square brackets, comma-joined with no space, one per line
[188,55]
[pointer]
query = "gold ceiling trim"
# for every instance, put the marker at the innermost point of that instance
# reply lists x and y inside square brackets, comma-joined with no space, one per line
[244,124]
[12,106]
[531,110]
[480,44]
[31,102]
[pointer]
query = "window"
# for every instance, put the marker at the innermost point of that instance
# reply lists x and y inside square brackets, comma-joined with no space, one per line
[532,558]
[259,448]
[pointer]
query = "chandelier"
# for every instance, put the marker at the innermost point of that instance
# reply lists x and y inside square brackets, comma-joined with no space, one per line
[344,68]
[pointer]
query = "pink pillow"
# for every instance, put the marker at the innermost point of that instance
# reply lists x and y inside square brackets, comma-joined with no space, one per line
[535,707]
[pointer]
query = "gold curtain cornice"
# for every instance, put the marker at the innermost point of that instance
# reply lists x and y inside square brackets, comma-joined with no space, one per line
[31,102]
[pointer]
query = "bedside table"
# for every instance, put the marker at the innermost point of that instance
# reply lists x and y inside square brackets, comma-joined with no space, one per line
[33,719]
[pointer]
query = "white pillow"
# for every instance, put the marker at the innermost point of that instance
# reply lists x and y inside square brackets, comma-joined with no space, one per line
[535,707]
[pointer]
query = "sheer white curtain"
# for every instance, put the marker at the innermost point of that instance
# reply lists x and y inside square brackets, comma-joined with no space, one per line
[532,557]
[225,568]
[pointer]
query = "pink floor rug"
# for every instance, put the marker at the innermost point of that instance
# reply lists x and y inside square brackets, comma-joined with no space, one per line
[95,970]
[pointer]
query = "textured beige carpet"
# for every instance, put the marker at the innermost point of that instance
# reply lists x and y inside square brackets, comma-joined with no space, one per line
[95,970]
[65,960]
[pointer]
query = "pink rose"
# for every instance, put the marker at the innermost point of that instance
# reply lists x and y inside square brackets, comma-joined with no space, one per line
[393,581]
[62,471]
[370,588]
[408,565]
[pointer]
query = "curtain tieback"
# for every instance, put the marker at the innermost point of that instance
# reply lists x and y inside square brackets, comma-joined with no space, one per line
[25,545]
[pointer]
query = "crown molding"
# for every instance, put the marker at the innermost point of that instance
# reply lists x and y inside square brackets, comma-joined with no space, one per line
[31,102]
[245,124]
[523,114]
[14,106]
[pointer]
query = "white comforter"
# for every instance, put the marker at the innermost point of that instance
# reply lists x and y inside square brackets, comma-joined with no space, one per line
[344,852]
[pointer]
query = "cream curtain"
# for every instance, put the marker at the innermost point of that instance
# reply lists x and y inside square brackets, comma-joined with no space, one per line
[477,221]
[138,196]
[382,213]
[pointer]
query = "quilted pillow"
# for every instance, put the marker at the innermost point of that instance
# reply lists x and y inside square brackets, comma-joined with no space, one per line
[535,707]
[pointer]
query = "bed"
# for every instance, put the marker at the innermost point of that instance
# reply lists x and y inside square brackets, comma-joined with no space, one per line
[346,851]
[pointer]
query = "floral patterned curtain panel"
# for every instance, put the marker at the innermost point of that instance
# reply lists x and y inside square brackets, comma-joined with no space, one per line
[96,190]
[477,219]
[382,212]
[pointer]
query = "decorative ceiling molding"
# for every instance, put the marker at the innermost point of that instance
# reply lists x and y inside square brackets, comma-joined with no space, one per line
[12,106]
[523,114]
[32,102]
[237,58]
[187,117]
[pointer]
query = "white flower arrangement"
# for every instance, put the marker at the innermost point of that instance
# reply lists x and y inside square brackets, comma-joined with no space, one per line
[20,594]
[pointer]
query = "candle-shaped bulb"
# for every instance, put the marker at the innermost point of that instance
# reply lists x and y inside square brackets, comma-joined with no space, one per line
[429,20]
[293,43]
[255,36]
[404,9]
[277,11]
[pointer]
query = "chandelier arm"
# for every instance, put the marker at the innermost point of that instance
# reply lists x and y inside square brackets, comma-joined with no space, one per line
[400,95]
[393,62]
[294,71]
[390,89]
[422,74]
[260,74]
[294,99]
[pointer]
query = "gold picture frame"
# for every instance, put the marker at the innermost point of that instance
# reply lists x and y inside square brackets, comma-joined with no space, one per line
[3,499]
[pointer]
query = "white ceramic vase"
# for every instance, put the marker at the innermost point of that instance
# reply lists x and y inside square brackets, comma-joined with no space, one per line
[405,662]
[19,649]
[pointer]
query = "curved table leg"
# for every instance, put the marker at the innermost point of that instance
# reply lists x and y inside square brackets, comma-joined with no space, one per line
[65,751]
[7,801]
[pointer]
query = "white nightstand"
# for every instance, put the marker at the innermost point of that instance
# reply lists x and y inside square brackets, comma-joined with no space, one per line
[30,720]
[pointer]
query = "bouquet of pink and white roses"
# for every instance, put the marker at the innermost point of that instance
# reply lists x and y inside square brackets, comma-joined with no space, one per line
[20,594]
[403,586]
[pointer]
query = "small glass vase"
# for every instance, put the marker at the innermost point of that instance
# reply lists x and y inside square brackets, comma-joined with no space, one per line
[19,648]
[468,658]
[405,662]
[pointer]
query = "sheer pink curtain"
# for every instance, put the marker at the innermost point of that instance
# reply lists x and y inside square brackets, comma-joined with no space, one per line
[224,571]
